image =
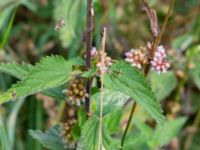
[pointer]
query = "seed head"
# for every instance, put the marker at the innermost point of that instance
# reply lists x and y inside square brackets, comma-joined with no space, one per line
[76,92]
[66,132]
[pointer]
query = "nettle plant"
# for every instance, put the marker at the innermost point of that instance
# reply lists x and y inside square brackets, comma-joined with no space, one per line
[92,120]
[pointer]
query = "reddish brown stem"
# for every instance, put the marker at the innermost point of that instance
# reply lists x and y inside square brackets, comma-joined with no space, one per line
[89,28]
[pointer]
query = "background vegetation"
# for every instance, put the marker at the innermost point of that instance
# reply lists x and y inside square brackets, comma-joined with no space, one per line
[27,34]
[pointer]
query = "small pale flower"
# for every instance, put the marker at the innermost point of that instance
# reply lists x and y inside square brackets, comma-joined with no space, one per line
[93,52]
[106,64]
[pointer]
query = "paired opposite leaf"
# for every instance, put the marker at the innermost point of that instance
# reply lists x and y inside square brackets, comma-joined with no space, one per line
[50,72]
[131,82]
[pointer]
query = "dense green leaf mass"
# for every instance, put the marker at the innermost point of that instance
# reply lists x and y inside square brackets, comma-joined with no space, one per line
[128,80]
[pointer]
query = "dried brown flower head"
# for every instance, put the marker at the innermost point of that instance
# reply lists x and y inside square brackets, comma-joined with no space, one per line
[76,92]
[66,132]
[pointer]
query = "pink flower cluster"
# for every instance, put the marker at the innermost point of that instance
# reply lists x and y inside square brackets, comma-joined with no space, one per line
[97,56]
[139,57]
[136,57]
[159,63]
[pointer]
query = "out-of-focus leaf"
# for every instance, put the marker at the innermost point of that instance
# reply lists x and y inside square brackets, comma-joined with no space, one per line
[182,42]
[172,128]
[163,84]
[193,55]
[72,12]
[29,4]
[50,139]
[11,122]
[195,73]
[195,141]
[8,4]
[8,29]
[4,139]
[195,100]
[159,137]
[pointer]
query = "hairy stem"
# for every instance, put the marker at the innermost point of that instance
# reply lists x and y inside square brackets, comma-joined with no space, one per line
[89,28]
[147,68]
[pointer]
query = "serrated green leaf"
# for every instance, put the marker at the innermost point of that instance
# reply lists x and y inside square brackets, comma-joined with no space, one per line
[50,139]
[90,135]
[50,72]
[82,117]
[113,100]
[163,84]
[16,70]
[56,92]
[128,80]
[112,121]
[89,73]
[76,131]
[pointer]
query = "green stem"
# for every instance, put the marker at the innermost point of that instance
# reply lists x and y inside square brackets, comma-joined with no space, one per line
[128,124]
[195,125]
